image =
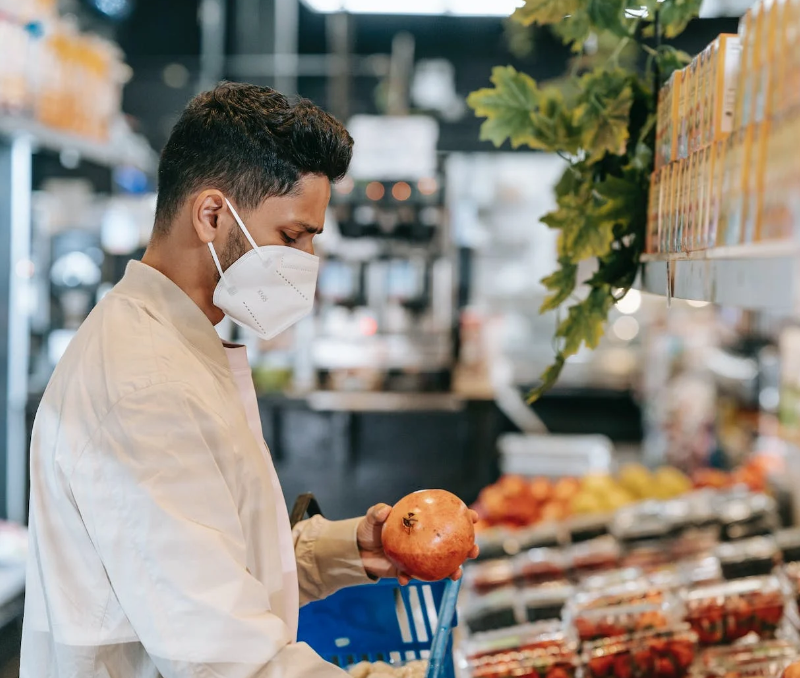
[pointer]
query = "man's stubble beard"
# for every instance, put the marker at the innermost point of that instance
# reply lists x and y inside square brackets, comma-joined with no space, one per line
[235,247]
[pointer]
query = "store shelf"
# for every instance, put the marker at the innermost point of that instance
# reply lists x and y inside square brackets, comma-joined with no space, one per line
[130,150]
[755,276]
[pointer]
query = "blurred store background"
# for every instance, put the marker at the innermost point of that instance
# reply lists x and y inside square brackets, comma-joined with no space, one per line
[426,334]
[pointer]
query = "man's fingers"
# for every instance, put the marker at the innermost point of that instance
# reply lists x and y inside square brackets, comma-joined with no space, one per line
[403,578]
[457,574]
[474,553]
[474,515]
[378,513]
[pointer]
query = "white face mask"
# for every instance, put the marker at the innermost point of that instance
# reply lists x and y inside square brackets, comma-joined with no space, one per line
[267,289]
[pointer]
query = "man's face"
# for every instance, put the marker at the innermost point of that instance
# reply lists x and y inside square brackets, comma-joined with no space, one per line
[290,220]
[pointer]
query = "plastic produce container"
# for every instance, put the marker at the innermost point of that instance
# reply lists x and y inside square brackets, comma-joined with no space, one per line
[496,610]
[547,601]
[723,613]
[752,557]
[541,565]
[489,575]
[596,555]
[620,620]
[665,653]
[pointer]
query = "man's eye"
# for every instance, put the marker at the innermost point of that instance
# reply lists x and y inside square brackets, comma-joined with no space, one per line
[288,240]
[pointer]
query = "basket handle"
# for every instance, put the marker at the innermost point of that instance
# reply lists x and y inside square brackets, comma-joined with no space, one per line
[305,504]
[447,614]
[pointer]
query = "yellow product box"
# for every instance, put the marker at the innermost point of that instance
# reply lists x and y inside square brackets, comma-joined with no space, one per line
[764,63]
[681,201]
[701,216]
[790,92]
[691,203]
[784,38]
[717,177]
[651,231]
[703,96]
[754,190]
[664,206]
[781,181]
[737,172]
[685,98]
[692,105]
[672,131]
[710,79]
[724,74]
[750,36]
[662,123]
[670,195]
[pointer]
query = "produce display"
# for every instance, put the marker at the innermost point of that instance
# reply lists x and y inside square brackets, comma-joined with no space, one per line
[428,534]
[620,620]
[516,502]
[412,669]
[726,612]
[653,654]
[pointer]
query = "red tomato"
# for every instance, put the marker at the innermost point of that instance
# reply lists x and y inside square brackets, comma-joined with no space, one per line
[428,534]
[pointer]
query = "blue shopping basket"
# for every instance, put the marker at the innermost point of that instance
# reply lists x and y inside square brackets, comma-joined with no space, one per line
[378,622]
[382,621]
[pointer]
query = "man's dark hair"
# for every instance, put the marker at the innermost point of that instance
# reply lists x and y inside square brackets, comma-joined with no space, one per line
[250,143]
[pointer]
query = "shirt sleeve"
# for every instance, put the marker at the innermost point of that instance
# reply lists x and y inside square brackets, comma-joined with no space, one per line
[160,513]
[328,558]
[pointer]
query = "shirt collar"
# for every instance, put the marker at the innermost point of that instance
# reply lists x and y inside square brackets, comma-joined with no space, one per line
[171,304]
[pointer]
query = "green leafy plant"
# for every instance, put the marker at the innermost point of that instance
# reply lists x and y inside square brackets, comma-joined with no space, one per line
[600,118]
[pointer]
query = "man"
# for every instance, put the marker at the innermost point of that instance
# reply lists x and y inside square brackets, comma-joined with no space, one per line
[160,540]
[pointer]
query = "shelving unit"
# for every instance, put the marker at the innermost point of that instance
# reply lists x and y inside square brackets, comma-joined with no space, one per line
[757,276]
[20,139]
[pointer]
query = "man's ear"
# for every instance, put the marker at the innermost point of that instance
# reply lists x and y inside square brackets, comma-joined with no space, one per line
[207,208]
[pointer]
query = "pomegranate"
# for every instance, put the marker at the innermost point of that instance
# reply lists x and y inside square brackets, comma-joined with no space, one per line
[428,534]
[792,671]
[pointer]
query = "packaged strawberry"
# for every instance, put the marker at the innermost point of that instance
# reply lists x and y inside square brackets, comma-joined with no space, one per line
[489,575]
[723,613]
[620,620]
[539,650]
[748,558]
[546,601]
[769,668]
[665,653]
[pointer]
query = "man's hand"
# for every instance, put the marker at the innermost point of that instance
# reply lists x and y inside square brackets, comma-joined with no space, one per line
[370,545]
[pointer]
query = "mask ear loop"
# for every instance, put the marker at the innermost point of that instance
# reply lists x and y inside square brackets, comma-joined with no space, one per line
[231,289]
[244,230]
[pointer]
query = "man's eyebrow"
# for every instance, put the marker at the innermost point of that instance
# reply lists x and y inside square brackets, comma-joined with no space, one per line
[309,227]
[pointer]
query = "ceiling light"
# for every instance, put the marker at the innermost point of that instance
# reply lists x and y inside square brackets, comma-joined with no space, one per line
[430,7]
[630,303]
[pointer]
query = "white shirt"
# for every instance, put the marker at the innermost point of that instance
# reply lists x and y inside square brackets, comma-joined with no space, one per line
[154,523]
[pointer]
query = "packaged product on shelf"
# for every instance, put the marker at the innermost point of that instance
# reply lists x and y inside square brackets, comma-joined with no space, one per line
[784,38]
[701,218]
[595,556]
[528,651]
[693,106]
[691,210]
[791,87]
[587,527]
[653,196]
[495,610]
[489,575]
[746,514]
[543,535]
[680,206]
[754,201]
[765,59]
[748,557]
[717,175]
[610,579]
[664,206]
[633,592]
[766,668]
[618,620]
[749,34]
[546,601]
[732,198]
[725,64]
[687,94]
[666,653]
[537,566]
[726,612]
[788,541]
[672,117]
[745,653]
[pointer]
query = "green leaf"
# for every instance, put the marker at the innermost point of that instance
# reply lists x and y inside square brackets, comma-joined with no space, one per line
[572,181]
[603,114]
[562,283]
[507,107]
[670,60]
[574,30]
[674,15]
[548,379]
[622,199]
[552,124]
[585,321]
[545,12]
[618,269]
[608,15]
